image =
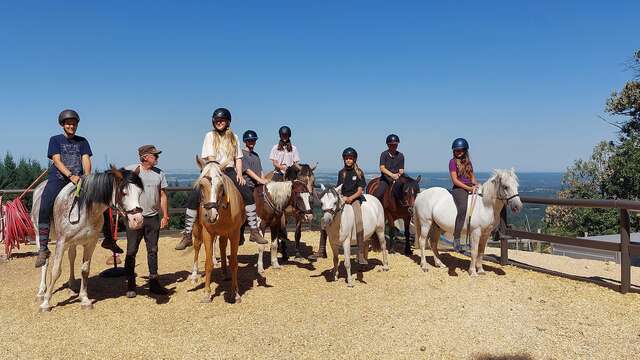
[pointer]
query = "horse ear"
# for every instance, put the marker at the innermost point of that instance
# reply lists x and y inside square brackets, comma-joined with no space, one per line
[339,189]
[418,179]
[137,170]
[314,167]
[200,162]
[322,187]
[116,173]
[297,166]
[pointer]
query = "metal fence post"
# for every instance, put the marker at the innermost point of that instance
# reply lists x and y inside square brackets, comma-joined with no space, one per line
[625,263]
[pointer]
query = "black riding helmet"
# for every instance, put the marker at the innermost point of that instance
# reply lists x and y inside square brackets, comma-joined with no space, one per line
[249,135]
[460,144]
[68,114]
[393,139]
[221,113]
[349,152]
[284,131]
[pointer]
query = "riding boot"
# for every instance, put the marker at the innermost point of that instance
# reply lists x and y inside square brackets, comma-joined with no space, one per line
[110,244]
[131,287]
[43,252]
[189,220]
[109,241]
[322,248]
[156,288]
[359,232]
[255,235]
[456,245]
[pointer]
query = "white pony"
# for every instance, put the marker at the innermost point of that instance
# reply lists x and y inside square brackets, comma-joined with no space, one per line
[120,188]
[338,221]
[435,213]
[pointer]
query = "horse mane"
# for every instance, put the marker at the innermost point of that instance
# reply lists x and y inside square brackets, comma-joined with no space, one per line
[489,188]
[211,169]
[280,192]
[96,189]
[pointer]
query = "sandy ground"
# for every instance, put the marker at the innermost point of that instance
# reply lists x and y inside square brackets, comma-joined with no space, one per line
[298,312]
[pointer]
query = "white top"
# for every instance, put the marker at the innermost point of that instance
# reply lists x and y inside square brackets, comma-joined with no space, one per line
[220,157]
[283,157]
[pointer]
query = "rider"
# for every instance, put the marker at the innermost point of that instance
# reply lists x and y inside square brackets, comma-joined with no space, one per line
[251,165]
[391,166]
[222,146]
[464,182]
[284,154]
[71,156]
[352,180]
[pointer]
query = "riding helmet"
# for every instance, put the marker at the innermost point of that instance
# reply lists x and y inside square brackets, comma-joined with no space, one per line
[350,152]
[68,114]
[460,144]
[393,139]
[221,113]
[285,131]
[249,135]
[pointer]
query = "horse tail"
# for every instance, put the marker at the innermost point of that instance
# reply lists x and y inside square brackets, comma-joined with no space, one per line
[375,243]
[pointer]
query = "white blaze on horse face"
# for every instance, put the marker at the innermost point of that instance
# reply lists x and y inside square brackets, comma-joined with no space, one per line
[329,202]
[212,214]
[307,205]
[131,201]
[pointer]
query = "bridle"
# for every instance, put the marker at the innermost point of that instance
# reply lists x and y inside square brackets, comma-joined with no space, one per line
[296,198]
[338,208]
[505,198]
[119,196]
[210,205]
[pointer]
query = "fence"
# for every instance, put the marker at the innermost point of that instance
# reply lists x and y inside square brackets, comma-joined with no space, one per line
[625,247]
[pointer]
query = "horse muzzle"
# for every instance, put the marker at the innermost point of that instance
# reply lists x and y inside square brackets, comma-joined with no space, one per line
[135,221]
[211,215]
[326,220]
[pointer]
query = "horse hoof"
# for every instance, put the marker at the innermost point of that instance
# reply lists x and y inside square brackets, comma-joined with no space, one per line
[238,299]
[72,293]
[45,310]
[206,299]
[349,285]
[385,268]
[473,275]
[86,306]
[425,269]
[482,272]
[39,298]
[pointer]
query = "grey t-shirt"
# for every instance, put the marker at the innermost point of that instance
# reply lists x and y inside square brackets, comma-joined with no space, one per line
[392,163]
[153,180]
[251,160]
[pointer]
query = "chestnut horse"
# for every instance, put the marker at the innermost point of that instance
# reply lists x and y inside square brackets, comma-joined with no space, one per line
[398,203]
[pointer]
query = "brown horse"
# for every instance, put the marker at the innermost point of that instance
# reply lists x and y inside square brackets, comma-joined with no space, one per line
[221,213]
[398,203]
[272,200]
[304,173]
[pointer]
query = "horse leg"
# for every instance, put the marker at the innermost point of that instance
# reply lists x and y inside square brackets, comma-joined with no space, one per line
[474,252]
[42,288]
[71,253]
[481,246]
[208,265]
[346,249]
[55,274]
[87,253]
[433,242]
[422,233]
[283,239]
[298,234]
[392,236]
[407,236]
[223,257]
[383,246]
[235,241]
[335,249]
[261,249]
[214,258]
[197,244]
[275,233]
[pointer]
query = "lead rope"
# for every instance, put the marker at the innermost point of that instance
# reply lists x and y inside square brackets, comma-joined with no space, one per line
[474,198]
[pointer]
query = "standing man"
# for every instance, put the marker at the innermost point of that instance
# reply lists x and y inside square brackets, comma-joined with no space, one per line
[153,201]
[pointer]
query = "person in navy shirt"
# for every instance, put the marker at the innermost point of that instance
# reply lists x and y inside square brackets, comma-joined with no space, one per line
[71,156]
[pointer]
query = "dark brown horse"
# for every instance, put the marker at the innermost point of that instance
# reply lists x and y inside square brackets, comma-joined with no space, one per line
[272,201]
[398,203]
[304,173]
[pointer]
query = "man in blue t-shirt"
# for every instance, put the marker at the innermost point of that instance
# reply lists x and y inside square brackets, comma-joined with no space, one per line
[71,156]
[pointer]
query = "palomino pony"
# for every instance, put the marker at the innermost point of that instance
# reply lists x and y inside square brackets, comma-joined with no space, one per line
[398,203]
[272,200]
[338,221]
[304,173]
[78,222]
[221,213]
[435,213]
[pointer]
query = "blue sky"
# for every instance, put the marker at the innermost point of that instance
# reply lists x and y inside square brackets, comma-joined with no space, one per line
[524,82]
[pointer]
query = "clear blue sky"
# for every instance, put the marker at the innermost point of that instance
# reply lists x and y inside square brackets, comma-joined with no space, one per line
[523,81]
